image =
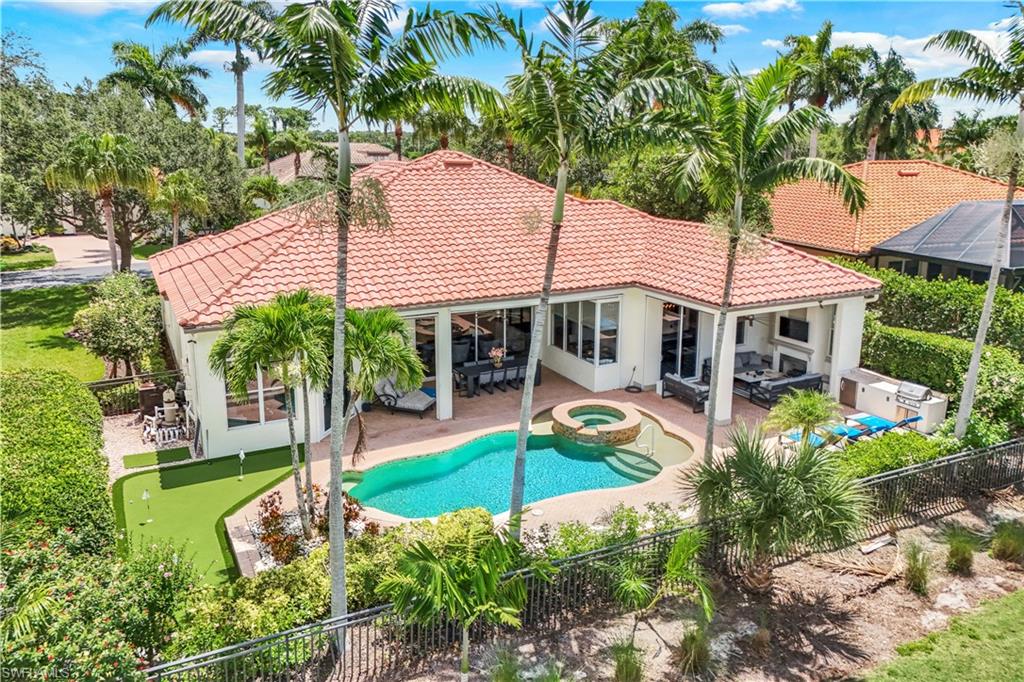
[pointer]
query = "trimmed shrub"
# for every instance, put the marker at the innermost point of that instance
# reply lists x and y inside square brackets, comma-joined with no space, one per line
[892,450]
[941,362]
[982,432]
[961,543]
[620,525]
[1008,541]
[943,306]
[54,473]
[918,568]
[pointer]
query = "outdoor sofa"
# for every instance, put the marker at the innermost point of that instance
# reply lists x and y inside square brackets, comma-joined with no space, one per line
[688,390]
[767,393]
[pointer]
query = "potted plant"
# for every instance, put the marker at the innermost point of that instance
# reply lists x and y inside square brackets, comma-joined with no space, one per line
[497,355]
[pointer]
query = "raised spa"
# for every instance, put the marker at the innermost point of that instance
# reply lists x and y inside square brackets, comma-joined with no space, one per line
[596,422]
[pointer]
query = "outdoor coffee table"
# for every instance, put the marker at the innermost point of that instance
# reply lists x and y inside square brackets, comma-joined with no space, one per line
[751,377]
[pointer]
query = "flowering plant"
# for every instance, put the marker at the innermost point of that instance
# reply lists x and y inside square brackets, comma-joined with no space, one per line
[497,354]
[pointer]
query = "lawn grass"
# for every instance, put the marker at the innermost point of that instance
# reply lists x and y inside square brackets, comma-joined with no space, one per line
[35,257]
[145,459]
[33,323]
[985,645]
[188,504]
[144,251]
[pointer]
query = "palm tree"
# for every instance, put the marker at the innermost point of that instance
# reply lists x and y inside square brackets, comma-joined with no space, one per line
[277,339]
[568,103]
[166,76]
[741,157]
[466,586]
[772,501]
[215,31]
[343,56]
[995,77]
[442,123]
[806,409]
[180,191]
[100,165]
[293,141]
[889,132]
[262,138]
[638,584]
[498,124]
[265,187]
[828,77]
[220,118]
[379,346]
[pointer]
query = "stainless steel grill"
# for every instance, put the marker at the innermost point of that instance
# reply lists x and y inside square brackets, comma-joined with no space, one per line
[912,394]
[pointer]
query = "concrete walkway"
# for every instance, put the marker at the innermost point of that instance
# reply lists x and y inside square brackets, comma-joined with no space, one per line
[74,251]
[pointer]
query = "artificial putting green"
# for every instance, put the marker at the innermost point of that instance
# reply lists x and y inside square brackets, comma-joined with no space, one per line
[188,504]
[146,459]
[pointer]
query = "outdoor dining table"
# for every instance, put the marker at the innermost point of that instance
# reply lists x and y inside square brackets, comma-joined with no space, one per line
[471,373]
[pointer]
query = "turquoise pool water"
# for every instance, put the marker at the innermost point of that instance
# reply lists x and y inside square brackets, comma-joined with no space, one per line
[479,474]
[596,415]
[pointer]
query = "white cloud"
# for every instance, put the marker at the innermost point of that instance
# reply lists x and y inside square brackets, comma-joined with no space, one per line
[925,63]
[749,9]
[733,29]
[520,4]
[98,7]
[1002,24]
[772,43]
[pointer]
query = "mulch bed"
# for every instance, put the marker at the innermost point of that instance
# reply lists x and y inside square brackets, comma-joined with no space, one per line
[831,616]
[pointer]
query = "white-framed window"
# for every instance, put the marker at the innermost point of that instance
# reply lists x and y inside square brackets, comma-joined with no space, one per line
[264,403]
[588,330]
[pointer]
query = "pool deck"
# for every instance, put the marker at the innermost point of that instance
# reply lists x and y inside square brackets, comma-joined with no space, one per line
[396,436]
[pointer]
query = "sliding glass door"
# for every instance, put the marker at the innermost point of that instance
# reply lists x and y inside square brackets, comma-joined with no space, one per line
[475,334]
[678,340]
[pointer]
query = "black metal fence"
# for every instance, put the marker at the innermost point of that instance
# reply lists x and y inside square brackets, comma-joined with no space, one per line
[125,395]
[377,644]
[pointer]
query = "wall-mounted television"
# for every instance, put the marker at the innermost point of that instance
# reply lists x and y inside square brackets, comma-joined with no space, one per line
[792,328]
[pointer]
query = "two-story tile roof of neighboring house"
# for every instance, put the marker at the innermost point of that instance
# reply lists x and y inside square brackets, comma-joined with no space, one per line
[462,230]
[363,154]
[900,194]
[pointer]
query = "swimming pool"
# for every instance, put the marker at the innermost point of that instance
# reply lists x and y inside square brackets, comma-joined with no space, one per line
[479,474]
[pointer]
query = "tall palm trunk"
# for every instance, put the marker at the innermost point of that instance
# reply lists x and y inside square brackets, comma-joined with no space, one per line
[872,145]
[174,227]
[298,163]
[723,309]
[464,666]
[124,245]
[310,497]
[238,67]
[107,199]
[444,140]
[813,151]
[336,537]
[536,341]
[289,408]
[509,151]
[398,138]
[963,412]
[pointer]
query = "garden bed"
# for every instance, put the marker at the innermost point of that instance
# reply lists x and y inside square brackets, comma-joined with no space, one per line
[825,623]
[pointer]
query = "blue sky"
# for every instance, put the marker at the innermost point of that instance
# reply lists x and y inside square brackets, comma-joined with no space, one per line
[75,36]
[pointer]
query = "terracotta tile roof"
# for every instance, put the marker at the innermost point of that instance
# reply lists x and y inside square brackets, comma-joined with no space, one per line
[363,155]
[900,194]
[464,230]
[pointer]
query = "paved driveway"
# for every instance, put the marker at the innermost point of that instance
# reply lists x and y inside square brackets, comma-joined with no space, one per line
[76,251]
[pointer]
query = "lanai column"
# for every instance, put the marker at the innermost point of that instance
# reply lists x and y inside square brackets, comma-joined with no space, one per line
[723,409]
[846,340]
[443,362]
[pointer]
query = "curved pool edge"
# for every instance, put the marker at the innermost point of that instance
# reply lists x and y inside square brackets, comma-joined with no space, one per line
[569,499]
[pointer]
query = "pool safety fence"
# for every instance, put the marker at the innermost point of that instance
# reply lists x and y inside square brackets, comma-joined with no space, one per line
[378,644]
[125,395]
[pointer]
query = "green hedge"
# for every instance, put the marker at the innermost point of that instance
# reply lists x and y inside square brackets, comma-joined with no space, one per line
[940,362]
[890,451]
[54,474]
[945,306]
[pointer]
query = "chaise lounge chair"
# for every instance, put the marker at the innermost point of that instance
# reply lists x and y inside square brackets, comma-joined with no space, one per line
[415,401]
